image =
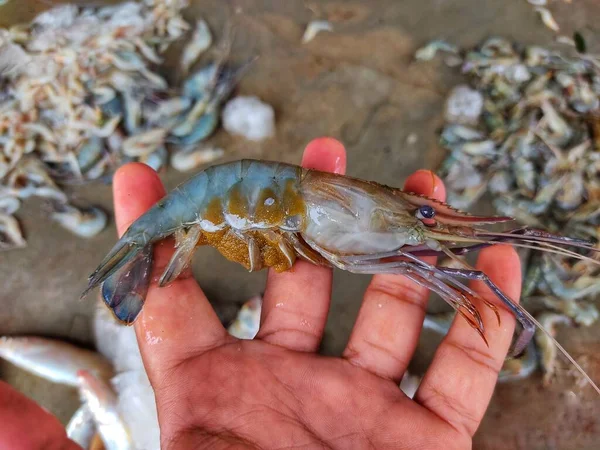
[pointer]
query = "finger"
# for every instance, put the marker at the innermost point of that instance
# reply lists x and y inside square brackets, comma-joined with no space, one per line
[27,426]
[459,383]
[296,302]
[177,321]
[389,322]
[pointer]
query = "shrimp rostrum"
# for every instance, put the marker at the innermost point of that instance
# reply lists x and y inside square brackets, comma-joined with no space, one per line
[266,214]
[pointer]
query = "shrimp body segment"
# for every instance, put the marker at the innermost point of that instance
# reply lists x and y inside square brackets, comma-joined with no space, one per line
[266,214]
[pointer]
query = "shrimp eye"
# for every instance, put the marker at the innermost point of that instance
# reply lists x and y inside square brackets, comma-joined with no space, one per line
[426,215]
[425,212]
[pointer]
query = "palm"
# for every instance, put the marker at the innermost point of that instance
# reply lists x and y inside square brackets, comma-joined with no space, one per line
[260,395]
[275,391]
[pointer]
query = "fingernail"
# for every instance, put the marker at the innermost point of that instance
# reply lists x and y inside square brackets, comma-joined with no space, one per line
[339,166]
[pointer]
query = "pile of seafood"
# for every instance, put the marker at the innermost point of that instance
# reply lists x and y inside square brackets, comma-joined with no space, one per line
[118,408]
[525,132]
[81,94]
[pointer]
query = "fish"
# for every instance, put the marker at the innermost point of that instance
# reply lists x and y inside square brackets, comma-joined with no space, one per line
[52,359]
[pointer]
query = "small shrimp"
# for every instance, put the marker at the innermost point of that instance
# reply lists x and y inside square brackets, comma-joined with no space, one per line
[548,351]
[520,368]
[200,41]
[85,223]
[187,160]
[144,143]
[513,369]
[429,51]
[266,214]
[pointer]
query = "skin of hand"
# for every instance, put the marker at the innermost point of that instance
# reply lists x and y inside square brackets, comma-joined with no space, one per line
[215,391]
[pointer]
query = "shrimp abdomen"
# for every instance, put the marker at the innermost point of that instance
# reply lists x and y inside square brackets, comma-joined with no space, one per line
[244,209]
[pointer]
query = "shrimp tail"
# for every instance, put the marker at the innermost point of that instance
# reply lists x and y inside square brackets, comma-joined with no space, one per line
[124,291]
[123,251]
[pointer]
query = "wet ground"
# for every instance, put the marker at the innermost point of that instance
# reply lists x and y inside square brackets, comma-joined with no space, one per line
[360,85]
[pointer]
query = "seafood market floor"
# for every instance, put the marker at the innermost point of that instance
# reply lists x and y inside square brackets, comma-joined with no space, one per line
[360,85]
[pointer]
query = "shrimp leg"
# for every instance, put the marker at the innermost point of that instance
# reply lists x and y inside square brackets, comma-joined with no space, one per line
[528,326]
[448,274]
[453,296]
[186,242]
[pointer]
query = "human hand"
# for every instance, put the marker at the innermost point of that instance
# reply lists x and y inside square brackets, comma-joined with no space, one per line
[215,391]
[24,425]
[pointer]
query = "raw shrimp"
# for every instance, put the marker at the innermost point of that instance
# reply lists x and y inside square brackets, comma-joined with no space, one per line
[266,214]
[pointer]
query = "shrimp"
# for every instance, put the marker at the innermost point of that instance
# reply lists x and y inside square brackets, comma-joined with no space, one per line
[266,214]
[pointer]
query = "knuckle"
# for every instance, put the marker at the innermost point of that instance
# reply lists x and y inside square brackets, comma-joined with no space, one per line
[454,412]
[298,339]
[483,359]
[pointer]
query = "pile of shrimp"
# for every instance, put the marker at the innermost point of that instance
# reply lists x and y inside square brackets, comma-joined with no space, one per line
[81,94]
[526,131]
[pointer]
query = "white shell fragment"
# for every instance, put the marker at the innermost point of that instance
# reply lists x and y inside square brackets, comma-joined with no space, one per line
[566,40]
[184,160]
[247,322]
[9,205]
[200,41]
[464,105]
[547,18]
[249,117]
[12,57]
[314,28]
[10,233]
[61,16]
[518,73]
[410,384]
[429,51]
[537,2]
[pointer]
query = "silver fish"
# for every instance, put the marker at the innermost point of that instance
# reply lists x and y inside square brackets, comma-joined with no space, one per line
[81,429]
[54,360]
[102,403]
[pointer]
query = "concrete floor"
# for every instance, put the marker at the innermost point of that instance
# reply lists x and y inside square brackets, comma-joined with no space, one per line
[358,84]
